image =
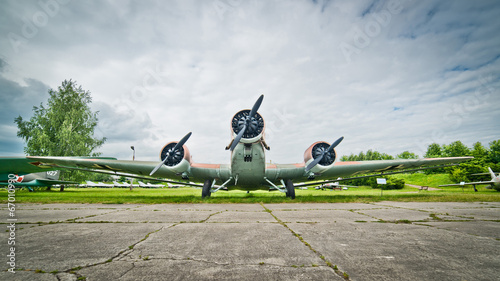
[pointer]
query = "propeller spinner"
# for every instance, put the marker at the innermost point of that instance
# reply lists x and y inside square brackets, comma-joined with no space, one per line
[172,154]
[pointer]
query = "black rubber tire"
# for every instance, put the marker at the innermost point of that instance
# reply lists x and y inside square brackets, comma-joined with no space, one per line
[205,192]
[290,190]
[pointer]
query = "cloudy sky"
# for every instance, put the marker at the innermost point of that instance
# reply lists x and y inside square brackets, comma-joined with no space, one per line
[390,75]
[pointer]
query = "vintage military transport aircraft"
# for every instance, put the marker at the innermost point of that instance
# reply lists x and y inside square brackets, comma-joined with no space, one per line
[248,169]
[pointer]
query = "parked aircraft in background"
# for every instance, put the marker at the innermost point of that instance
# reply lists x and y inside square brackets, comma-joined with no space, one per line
[41,179]
[334,185]
[493,183]
[117,184]
[98,184]
[150,185]
[247,169]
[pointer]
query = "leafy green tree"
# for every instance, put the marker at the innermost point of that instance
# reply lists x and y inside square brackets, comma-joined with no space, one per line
[64,128]
[433,151]
[456,149]
[494,152]
[407,155]
[479,151]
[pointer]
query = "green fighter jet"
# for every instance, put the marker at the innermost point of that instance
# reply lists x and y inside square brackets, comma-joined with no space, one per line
[18,172]
[248,169]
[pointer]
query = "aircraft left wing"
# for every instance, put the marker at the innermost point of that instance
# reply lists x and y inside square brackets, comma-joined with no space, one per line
[178,174]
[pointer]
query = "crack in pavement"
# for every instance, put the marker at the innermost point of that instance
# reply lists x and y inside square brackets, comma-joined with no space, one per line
[74,270]
[301,239]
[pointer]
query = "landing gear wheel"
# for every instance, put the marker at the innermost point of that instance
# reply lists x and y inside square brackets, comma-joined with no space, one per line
[205,192]
[290,190]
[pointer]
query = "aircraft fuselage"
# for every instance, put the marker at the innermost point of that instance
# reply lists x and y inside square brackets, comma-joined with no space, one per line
[248,163]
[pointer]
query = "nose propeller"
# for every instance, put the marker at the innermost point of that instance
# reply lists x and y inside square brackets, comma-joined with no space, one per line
[248,123]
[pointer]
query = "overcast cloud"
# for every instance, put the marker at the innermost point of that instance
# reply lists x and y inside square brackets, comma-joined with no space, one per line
[388,75]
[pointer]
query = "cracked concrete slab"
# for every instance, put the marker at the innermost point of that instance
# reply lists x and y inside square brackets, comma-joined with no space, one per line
[486,229]
[474,214]
[387,251]
[204,207]
[28,275]
[323,216]
[397,214]
[150,216]
[64,246]
[228,244]
[322,206]
[55,215]
[437,205]
[195,270]
[246,217]
[256,241]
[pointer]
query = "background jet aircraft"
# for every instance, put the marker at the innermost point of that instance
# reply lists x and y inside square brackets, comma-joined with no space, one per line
[98,184]
[494,182]
[117,184]
[26,175]
[247,169]
[150,185]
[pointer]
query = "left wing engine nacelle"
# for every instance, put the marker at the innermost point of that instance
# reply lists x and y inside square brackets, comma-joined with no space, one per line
[255,130]
[316,150]
[179,159]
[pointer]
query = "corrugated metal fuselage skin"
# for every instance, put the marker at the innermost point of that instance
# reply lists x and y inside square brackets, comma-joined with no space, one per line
[248,167]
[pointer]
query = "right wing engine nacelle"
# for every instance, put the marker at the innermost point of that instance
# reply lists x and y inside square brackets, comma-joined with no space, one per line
[316,150]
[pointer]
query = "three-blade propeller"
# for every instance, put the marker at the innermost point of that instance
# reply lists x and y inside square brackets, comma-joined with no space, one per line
[322,154]
[171,153]
[247,122]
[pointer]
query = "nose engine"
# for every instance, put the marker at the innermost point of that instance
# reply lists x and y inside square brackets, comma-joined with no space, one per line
[255,126]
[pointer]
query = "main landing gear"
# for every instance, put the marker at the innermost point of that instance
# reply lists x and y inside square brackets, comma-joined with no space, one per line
[205,192]
[290,190]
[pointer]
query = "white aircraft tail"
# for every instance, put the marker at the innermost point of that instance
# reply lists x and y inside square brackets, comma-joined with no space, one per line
[491,173]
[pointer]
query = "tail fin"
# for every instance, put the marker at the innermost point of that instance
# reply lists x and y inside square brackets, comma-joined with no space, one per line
[491,173]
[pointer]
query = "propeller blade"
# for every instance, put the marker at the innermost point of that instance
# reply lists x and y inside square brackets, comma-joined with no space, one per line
[158,167]
[318,159]
[256,106]
[337,142]
[314,163]
[182,141]
[176,147]
[238,137]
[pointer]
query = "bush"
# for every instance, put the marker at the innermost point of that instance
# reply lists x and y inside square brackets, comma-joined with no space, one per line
[392,183]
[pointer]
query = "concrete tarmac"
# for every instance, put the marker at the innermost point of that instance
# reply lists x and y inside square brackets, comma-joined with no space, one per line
[354,241]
